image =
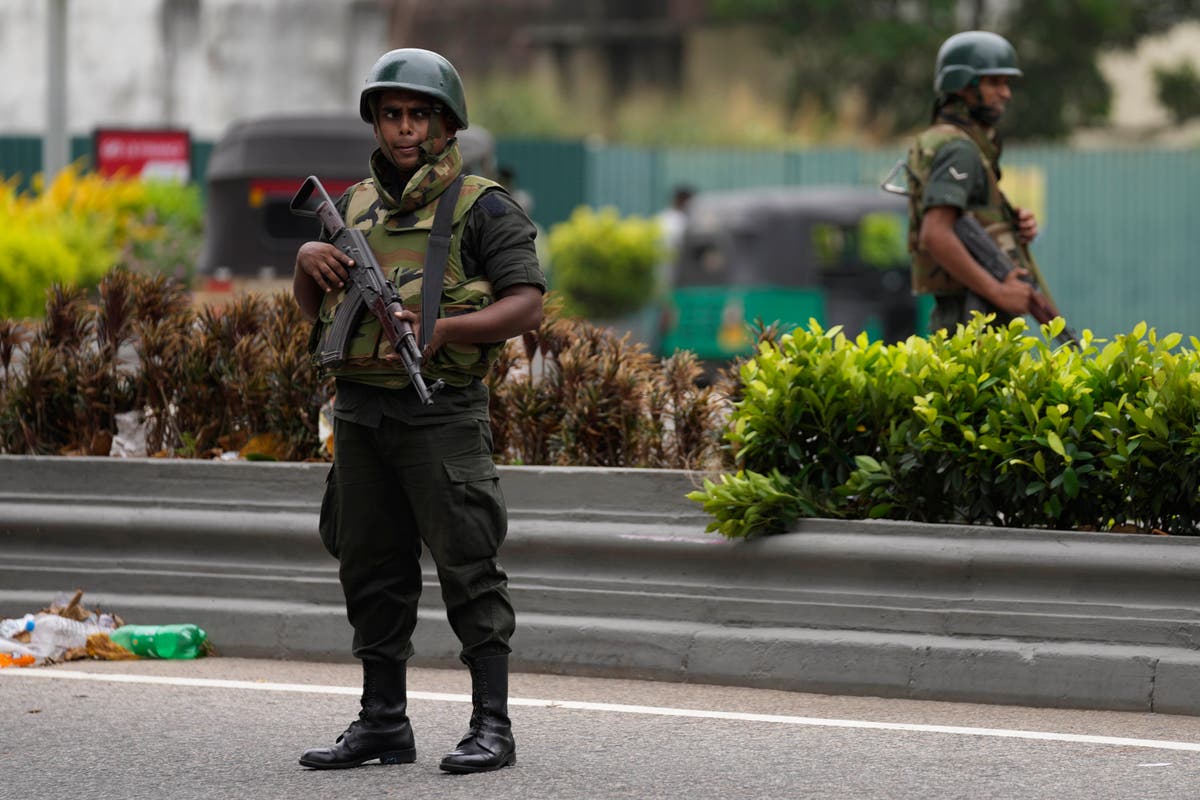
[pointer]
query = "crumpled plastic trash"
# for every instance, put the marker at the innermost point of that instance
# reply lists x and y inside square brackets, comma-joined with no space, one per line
[61,632]
[52,639]
[130,440]
[17,654]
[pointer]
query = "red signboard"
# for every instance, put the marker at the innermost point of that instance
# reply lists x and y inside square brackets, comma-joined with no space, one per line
[161,154]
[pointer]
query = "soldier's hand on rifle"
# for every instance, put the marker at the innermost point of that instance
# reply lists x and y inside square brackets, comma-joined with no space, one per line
[1013,295]
[413,318]
[324,264]
[1027,227]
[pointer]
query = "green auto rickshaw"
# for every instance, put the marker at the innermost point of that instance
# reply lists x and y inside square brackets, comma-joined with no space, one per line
[783,255]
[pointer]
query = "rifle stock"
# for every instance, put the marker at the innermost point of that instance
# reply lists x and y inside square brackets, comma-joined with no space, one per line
[989,255]
[369,291]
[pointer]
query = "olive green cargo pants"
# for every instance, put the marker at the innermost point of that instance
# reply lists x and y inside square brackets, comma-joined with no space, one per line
[395,487]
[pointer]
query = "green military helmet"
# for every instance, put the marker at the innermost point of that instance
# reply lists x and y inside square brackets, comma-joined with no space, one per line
[417,70]
[965,56]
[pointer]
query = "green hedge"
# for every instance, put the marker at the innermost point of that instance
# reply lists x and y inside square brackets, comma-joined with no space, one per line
[985,426]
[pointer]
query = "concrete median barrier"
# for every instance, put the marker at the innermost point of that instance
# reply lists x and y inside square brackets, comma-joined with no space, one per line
[613,575]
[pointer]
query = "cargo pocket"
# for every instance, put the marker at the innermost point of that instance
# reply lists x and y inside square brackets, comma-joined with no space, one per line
[327,526]
[476,506]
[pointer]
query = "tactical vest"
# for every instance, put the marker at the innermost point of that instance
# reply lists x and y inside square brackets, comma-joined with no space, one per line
[927,276]
[399,242]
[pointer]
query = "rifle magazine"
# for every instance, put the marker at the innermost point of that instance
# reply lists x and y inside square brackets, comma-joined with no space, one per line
[334,347]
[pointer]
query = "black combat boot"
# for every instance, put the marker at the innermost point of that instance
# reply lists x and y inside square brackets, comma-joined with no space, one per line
[382,729]
[489,743]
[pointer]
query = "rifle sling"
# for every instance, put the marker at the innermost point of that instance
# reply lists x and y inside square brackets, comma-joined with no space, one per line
[436,256]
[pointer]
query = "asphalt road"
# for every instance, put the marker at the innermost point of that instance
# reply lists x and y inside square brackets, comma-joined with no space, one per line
[233,728]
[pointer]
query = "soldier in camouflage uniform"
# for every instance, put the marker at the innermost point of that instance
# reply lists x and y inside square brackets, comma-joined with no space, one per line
[954,169]
[405,473]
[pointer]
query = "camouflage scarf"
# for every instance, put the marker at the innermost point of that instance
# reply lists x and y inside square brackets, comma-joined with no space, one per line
[429,181]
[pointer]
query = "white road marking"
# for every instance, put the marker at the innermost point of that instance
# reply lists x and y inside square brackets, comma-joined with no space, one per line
[617,708]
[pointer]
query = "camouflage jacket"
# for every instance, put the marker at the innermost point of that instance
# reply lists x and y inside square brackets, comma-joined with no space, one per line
[397,229]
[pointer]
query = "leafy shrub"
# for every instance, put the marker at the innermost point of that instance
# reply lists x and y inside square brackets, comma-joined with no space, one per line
[209,381]
[75,229]
[173,232]
[204,382]
[985,426]
[603,265]
[30,261]
[573,393]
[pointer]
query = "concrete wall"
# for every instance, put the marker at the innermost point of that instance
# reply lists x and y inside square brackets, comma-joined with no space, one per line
[200,64]
[612,574]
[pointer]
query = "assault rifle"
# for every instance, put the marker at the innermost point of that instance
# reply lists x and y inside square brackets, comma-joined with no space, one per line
[369,290]
[983,248]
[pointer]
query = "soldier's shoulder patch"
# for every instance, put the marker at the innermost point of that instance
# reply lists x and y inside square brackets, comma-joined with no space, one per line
[493,203]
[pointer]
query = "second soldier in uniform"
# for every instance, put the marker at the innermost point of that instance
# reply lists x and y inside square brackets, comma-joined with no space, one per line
[954,168]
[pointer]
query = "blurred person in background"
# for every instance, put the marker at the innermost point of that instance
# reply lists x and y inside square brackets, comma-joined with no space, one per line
[672,220]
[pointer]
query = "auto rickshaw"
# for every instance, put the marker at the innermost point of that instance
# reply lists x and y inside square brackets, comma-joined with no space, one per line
[783,255]
[257,166]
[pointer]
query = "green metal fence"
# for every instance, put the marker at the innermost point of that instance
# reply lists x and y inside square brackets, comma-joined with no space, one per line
[21,157]
[1118,244]
[1119,238]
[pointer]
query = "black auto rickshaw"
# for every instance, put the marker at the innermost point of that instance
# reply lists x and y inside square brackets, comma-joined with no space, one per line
[256,168]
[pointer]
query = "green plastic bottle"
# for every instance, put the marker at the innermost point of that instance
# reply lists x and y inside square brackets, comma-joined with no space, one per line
[161,641]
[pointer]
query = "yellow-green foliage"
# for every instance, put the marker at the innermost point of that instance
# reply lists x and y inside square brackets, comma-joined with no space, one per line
[883,240]
[603,264]
[30,260]
[75,229]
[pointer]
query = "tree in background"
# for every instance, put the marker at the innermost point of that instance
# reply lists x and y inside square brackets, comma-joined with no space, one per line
[1058,44]
[1178,90]
[885,50]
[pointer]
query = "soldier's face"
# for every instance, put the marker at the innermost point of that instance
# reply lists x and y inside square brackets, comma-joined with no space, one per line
[404,121]
[995,92]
